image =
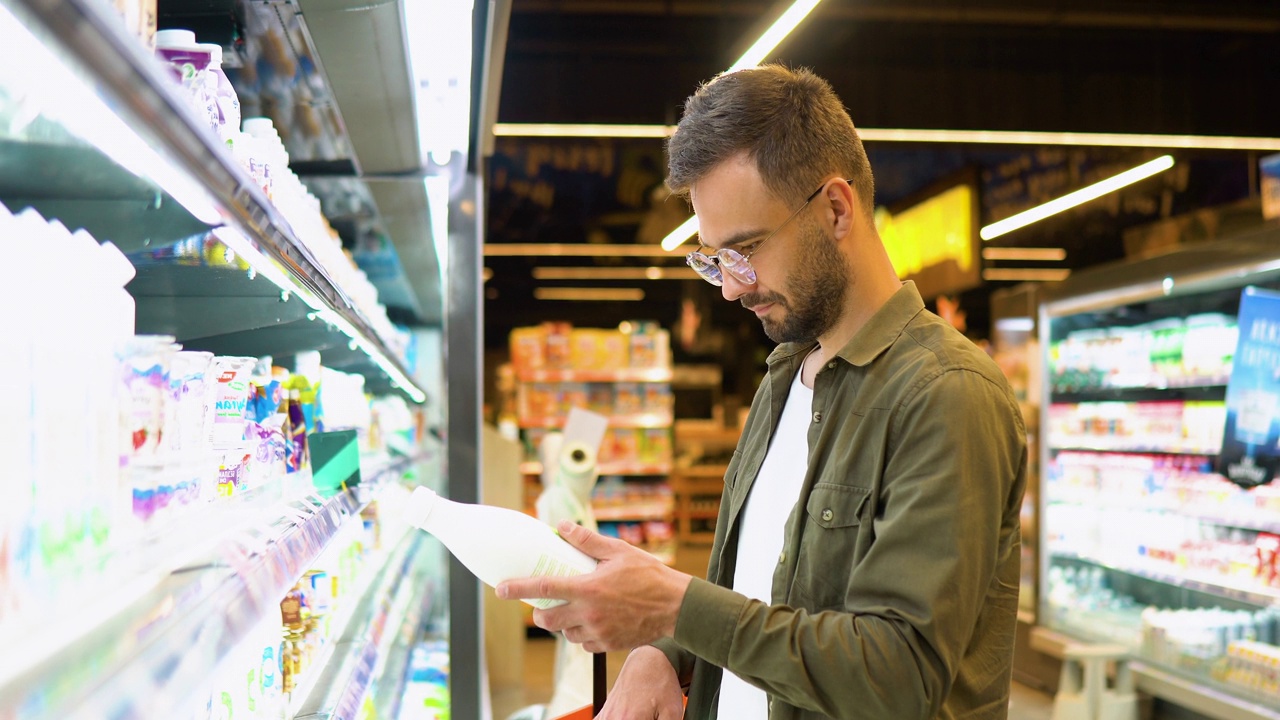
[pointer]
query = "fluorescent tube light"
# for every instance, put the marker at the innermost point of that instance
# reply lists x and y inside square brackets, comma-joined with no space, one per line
[687,229]
[599,273]
[1079,197]
[581,250]
[776,33]
[589,294]
[1026,274]
[439,42]
[1026,254]
[905,135]
[582,130]
[1016,324]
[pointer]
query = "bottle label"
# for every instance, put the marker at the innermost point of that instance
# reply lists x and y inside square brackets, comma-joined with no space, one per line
[550,566]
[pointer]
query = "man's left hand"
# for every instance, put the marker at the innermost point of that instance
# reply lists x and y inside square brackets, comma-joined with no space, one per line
[629,600]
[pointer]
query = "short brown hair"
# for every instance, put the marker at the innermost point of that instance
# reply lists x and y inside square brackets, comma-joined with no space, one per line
[789,122]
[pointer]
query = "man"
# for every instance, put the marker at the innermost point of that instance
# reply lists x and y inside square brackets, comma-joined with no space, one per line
[866,554]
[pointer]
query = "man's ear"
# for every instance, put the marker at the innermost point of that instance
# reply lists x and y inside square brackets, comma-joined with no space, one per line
[844,207]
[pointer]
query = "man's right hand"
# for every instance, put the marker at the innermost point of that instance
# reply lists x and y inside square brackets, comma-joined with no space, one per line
[646,689]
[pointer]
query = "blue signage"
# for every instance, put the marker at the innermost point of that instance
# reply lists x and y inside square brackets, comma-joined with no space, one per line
[1250,451]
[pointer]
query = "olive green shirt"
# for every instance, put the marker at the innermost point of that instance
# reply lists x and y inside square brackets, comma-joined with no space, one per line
[896,594]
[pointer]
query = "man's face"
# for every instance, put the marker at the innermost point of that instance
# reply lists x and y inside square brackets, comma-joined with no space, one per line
[801,276]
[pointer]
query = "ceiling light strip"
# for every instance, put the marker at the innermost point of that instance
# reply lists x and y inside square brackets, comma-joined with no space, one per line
[911,135]
[1024,253]
[1079,197]
[776,33]
[581,250]
[585,130]
[1026,274]
[677,237]
[599,273]
[589,294]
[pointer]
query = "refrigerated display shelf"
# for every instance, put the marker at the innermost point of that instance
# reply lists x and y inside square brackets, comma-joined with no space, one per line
[663,374]
[344,675]
[1194,390]
[633,420]
[372,584]
[1261,522]
[101,197]
[141,657]
[1191,692]
[1210,452]
[215,191]
[1219,587]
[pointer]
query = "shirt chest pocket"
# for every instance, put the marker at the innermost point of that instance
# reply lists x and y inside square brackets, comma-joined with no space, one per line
[836,535]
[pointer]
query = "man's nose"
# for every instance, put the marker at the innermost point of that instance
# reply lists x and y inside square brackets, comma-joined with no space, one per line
[731,287]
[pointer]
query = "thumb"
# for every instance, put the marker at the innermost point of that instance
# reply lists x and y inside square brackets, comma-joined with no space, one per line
[592,543]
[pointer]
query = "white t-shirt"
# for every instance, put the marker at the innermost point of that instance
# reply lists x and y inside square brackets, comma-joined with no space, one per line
[760,533]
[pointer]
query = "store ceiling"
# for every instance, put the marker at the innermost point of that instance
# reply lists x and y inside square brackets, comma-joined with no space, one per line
[1173,67]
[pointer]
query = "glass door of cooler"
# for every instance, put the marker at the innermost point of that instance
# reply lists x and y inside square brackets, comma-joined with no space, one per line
[1143,543]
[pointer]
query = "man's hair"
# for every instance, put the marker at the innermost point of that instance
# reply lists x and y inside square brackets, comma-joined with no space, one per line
[789,122]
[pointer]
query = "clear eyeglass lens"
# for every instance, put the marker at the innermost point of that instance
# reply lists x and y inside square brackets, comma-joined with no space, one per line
[738,266]
[705,267]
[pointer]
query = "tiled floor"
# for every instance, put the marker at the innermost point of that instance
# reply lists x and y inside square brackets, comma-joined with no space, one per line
[1024,703]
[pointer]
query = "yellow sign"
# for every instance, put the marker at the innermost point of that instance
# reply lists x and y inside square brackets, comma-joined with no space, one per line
[933,242]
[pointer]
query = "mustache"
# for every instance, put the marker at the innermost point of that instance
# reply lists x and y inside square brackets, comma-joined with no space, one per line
[753,299]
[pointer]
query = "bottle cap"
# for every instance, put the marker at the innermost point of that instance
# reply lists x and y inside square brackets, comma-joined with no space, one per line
[178,39]
[419,506]
[214,50]
[259,127]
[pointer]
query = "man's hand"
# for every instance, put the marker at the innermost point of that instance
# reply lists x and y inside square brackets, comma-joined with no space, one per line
[646,689]
[631,599]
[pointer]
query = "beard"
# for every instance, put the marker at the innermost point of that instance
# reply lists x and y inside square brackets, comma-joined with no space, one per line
[814,300]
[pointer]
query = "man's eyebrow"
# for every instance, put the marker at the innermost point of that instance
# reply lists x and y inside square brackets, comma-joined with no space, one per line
[742,237]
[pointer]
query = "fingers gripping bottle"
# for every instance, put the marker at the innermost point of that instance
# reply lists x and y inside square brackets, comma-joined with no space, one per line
[497,544]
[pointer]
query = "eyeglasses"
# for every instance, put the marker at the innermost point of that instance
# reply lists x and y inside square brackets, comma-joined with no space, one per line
[709,267]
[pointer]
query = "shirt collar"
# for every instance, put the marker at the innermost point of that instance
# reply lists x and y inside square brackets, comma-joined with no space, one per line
[875,337]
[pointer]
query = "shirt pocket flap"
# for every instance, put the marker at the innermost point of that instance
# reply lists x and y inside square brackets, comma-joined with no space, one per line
[836,506]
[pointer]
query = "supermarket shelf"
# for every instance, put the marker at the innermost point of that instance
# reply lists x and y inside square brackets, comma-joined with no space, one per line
[138,87]
[372,584]
[1176,688]
[1253,595]
[1132,450]
[610,468]
[615,375]
[1214,388]
[1261,522]
[1197,696]
[101,197]
[166,638]
[340,685]
[633,420]
[637,512]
